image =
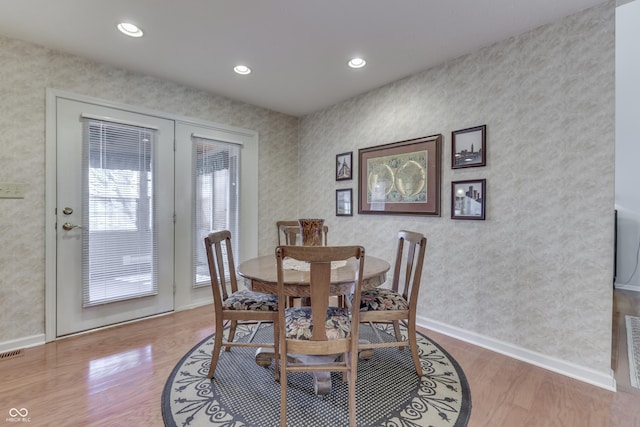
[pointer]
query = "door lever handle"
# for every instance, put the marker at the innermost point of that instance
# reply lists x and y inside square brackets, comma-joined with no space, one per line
[68,226]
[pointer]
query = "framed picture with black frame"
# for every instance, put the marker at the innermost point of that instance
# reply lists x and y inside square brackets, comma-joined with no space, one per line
[468,147]
[344,202]
[344,167]
[468,199]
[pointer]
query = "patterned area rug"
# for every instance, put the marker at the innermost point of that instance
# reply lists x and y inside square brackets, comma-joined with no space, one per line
[388,391]
[633,345]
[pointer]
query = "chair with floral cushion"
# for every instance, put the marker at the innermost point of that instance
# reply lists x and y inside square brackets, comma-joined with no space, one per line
[320,332]
[382,305]
[233,305]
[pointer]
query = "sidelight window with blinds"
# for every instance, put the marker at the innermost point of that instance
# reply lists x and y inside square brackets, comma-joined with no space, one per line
[119,238]
[216,194]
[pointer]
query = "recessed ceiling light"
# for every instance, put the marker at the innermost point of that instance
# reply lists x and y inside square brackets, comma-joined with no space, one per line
[357,63]
[130,30]
[242,69]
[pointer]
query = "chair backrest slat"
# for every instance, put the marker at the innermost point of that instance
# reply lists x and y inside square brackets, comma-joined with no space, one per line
[320,274]
[291,235]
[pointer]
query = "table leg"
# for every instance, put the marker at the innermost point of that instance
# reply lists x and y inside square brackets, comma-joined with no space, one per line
[321,380]
[264,356]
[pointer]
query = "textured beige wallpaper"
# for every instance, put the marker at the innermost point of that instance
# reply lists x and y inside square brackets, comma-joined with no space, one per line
[537,273]
[26,71]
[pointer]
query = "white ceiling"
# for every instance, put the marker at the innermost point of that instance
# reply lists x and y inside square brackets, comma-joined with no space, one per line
[298,49]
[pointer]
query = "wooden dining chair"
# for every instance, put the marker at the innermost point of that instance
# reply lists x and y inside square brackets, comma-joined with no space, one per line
[288,232]
[321,329]
[398,304]
[233,305]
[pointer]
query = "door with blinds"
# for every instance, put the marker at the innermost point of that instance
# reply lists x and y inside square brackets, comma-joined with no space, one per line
[208,198]
[114,216]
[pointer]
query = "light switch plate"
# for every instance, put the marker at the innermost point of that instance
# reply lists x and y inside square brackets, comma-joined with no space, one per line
[11,190]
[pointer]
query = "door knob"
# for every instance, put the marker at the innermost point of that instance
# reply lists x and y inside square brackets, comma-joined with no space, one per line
[68,226]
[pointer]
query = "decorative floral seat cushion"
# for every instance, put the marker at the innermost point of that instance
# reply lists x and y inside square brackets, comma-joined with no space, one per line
[298,323]
[382,299]
[247,300]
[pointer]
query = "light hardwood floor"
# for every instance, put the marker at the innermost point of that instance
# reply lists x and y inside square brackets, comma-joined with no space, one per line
[115,377]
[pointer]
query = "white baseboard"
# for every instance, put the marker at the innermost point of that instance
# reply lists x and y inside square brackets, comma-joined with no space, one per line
[26,342]
[635,288]
[581,373]
[195,304]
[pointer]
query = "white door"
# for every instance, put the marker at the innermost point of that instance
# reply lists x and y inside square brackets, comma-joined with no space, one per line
[207,200]
[114,215]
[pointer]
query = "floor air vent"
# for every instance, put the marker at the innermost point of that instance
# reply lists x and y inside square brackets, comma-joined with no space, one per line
[10,354]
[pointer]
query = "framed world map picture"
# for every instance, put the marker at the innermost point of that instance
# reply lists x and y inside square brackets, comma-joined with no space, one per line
[401,178]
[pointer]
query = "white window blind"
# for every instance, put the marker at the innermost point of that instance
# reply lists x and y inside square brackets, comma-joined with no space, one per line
[216,191]
[119,254]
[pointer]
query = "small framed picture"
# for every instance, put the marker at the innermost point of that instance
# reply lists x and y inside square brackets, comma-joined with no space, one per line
[343,202]
[468,148]
[343,166]
[468,199]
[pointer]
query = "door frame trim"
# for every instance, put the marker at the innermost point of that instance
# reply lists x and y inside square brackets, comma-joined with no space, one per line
[233,134]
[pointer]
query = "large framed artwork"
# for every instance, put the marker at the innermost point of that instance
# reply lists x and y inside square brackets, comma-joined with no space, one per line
[401,178]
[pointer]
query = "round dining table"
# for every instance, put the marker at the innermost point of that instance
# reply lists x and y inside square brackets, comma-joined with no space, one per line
[260,275]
